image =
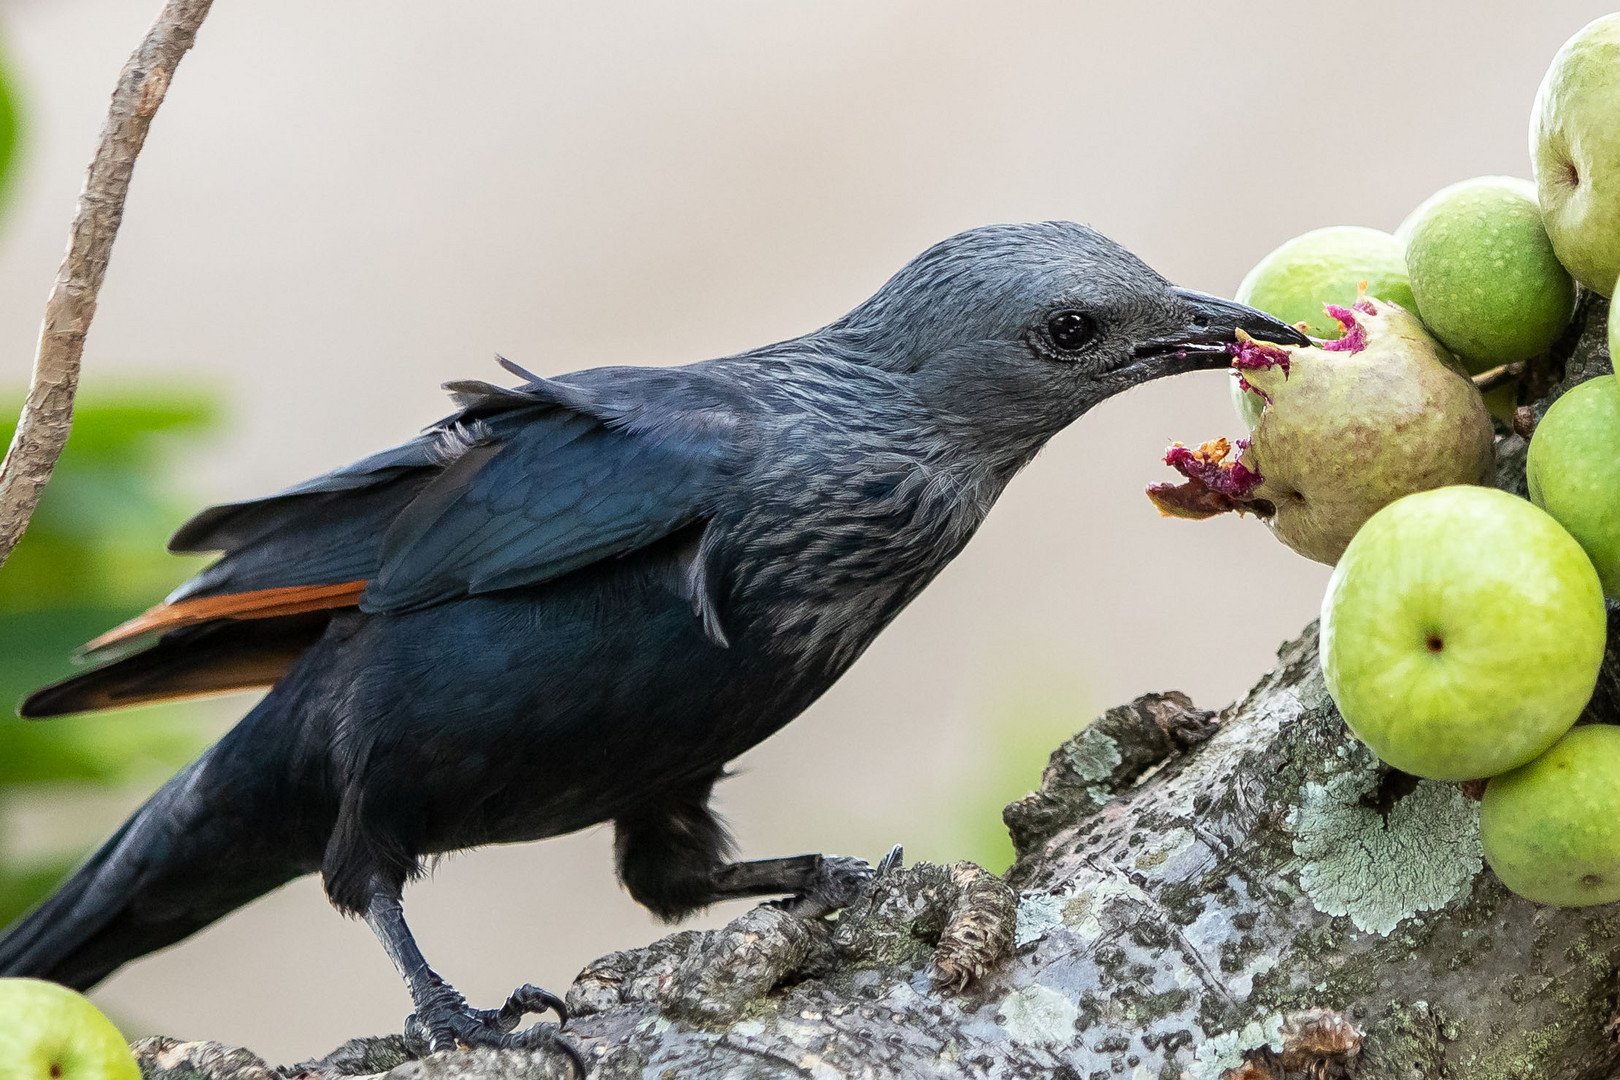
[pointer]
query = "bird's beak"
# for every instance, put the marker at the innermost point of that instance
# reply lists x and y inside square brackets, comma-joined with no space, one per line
[1212,324]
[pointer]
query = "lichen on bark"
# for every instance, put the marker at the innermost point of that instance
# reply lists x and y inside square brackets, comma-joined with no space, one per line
[1382,866]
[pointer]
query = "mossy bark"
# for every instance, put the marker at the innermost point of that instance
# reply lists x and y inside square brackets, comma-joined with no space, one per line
[1244,894]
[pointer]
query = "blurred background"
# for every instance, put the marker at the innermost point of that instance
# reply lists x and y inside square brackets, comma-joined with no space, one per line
[342,205]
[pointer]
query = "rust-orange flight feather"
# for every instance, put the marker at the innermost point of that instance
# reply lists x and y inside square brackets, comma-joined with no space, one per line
[259,604]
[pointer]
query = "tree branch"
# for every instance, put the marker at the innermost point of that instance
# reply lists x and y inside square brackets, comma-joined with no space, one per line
[47,414]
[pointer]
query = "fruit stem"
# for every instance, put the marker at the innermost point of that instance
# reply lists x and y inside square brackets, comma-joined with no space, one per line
[1524,422]
[1500,375]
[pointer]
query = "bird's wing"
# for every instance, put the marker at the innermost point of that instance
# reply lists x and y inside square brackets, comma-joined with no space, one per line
[233,526]
[555,496]
[342,513]
[519,487]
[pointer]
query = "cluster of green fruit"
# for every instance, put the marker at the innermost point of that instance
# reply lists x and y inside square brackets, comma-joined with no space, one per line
[1463,627]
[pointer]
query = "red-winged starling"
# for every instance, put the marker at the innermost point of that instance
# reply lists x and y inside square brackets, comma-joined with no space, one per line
[575,600]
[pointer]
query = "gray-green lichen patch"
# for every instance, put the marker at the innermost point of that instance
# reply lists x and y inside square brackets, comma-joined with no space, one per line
[1380,869]
[1083,909]
[1079,911]
[1037,914]
[1092,755]
[1157,853]
[1039,1014]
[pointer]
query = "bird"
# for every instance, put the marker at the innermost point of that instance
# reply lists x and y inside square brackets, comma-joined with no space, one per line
[574,600]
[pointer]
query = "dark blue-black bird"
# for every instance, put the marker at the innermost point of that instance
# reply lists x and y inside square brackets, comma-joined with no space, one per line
[573,601]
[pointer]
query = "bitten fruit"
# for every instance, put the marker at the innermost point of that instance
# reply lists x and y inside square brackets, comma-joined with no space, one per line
[1324,266]
[1347,427]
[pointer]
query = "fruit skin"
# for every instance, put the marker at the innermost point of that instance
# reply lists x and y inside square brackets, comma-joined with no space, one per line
[1324,266]
[1349,432]
[1574,471]
[1327,266]
[1249,405]
[1484,274]
[1614,332]
[1549,827]
[1461,633]
[1575,153]
[45,1024]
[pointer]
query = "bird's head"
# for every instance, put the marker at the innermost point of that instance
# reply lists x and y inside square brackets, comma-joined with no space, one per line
[1011,332]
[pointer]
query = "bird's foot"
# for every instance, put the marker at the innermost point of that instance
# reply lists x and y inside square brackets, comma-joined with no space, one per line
[837,882]
[968,914]
[448,1022]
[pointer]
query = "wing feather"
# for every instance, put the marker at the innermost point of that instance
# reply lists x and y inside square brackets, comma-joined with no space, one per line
[522,486]
[546,501]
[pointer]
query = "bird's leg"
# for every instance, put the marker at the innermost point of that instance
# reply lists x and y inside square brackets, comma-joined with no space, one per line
[815,885]
[443,1019]
[671,858]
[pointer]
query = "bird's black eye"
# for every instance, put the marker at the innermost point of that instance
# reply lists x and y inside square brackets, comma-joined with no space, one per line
[1071,330]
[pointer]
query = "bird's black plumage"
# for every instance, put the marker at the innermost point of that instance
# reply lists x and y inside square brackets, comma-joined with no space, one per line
[575,600]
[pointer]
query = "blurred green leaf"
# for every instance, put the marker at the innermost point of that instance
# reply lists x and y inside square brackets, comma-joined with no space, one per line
[117,423]
[98,535]
[9,125]
[92,557]
[21,887]
[101,748]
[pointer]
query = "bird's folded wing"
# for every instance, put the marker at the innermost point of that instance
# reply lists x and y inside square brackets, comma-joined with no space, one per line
[552,498]
[518,489]
[232,526]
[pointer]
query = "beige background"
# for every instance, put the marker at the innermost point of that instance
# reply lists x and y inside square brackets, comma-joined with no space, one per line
[345,202]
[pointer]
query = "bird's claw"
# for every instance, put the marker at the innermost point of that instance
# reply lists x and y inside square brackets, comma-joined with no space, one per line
[838,882]
[455,1024]
[892,862]
[526,1000]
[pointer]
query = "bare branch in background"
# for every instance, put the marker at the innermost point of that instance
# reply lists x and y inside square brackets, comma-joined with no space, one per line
[47,414]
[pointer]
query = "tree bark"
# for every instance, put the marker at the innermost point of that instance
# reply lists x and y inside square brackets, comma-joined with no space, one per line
[1247,894]
[47,414]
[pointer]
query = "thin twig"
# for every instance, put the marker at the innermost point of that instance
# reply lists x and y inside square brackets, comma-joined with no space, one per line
[47,414]
[1500,375]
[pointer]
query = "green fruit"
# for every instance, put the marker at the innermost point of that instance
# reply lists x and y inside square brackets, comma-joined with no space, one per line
[1484,274]
[1614,332]
[1462,633]
[48,1032]
[1575,153]
[1327,266]
[1551,829]
[1350,430]
[1574,471]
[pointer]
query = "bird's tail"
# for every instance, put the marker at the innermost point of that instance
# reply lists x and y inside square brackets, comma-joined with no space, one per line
[60,939]
[174,867]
